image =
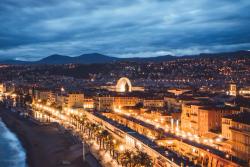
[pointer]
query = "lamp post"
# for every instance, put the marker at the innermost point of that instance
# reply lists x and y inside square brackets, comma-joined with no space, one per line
[121,147]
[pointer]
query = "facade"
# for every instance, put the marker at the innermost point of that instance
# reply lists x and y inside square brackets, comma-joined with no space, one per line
[60,100]
[190,118]
[42,95]
[245,91]
[73,100]
[51,98]
[237,130]
[241,140]
[88,103]
[103,103]
[109,103]
[201,119]
[125,101]
[225,130]
[2,88]
[232,90]
[153,103]
[174,104]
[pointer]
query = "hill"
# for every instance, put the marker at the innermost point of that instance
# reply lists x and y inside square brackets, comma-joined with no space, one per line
[96,58]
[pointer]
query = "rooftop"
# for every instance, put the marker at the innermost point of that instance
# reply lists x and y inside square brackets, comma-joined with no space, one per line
[243,117]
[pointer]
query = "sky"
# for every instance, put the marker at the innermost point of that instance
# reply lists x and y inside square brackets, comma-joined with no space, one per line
[34,29]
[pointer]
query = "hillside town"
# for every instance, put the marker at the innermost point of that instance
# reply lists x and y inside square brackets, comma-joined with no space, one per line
[132,122]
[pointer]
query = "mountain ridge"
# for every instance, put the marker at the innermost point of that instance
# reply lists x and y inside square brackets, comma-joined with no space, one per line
[97,58]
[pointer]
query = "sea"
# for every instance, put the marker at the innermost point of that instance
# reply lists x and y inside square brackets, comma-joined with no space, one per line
[12,153]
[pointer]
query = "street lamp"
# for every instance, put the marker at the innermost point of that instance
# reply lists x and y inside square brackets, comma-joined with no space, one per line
[121,147]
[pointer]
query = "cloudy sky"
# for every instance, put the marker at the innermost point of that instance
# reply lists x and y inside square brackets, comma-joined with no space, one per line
[33,29]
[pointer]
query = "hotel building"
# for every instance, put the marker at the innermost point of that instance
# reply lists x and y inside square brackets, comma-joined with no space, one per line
[236,128]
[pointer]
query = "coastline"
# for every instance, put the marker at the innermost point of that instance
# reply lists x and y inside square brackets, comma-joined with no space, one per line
[45,145]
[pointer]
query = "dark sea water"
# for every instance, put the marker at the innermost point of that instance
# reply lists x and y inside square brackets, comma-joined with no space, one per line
[12,154]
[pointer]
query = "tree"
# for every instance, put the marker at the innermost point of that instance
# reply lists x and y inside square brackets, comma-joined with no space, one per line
[104,135]
[82,121]
[110,143]
[89,127]
[142,159]
[94,129]
[126,158]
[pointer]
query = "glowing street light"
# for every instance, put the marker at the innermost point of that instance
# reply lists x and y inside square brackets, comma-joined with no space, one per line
[121,147]
[205,140]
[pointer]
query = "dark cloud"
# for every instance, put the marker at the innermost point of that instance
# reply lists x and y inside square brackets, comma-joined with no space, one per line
[121,27]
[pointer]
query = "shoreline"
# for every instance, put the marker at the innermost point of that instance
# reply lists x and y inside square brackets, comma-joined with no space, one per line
[44,145]
[19,135]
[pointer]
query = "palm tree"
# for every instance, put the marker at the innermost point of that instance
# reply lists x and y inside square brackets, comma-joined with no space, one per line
[110,143]
[94,128]
[104,135]
[49,115]
[83,119]
[142,159]
[81,124]
[126,158]
[99,137]
[116,144]
[89,127]
[86,126]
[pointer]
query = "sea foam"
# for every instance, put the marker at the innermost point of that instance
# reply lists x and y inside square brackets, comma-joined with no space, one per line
[12,154]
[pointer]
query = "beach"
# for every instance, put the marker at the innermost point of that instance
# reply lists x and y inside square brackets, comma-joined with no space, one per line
[46,145]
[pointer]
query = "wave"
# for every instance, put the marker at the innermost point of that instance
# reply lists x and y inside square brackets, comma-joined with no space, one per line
[12,154]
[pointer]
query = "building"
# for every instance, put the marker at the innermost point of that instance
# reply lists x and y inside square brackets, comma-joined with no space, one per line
[225,129]
[2,88]
[42,95]
[103,103]
[7,87]
[73,100]
[123,85]
[125,101]
[201,119]
[200,155]
[245,92]
[236,128]
[174,104]
[51,98]
[88,103]
[232,90]
[153,103]
[178,92]
[189,118]
[109,103]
